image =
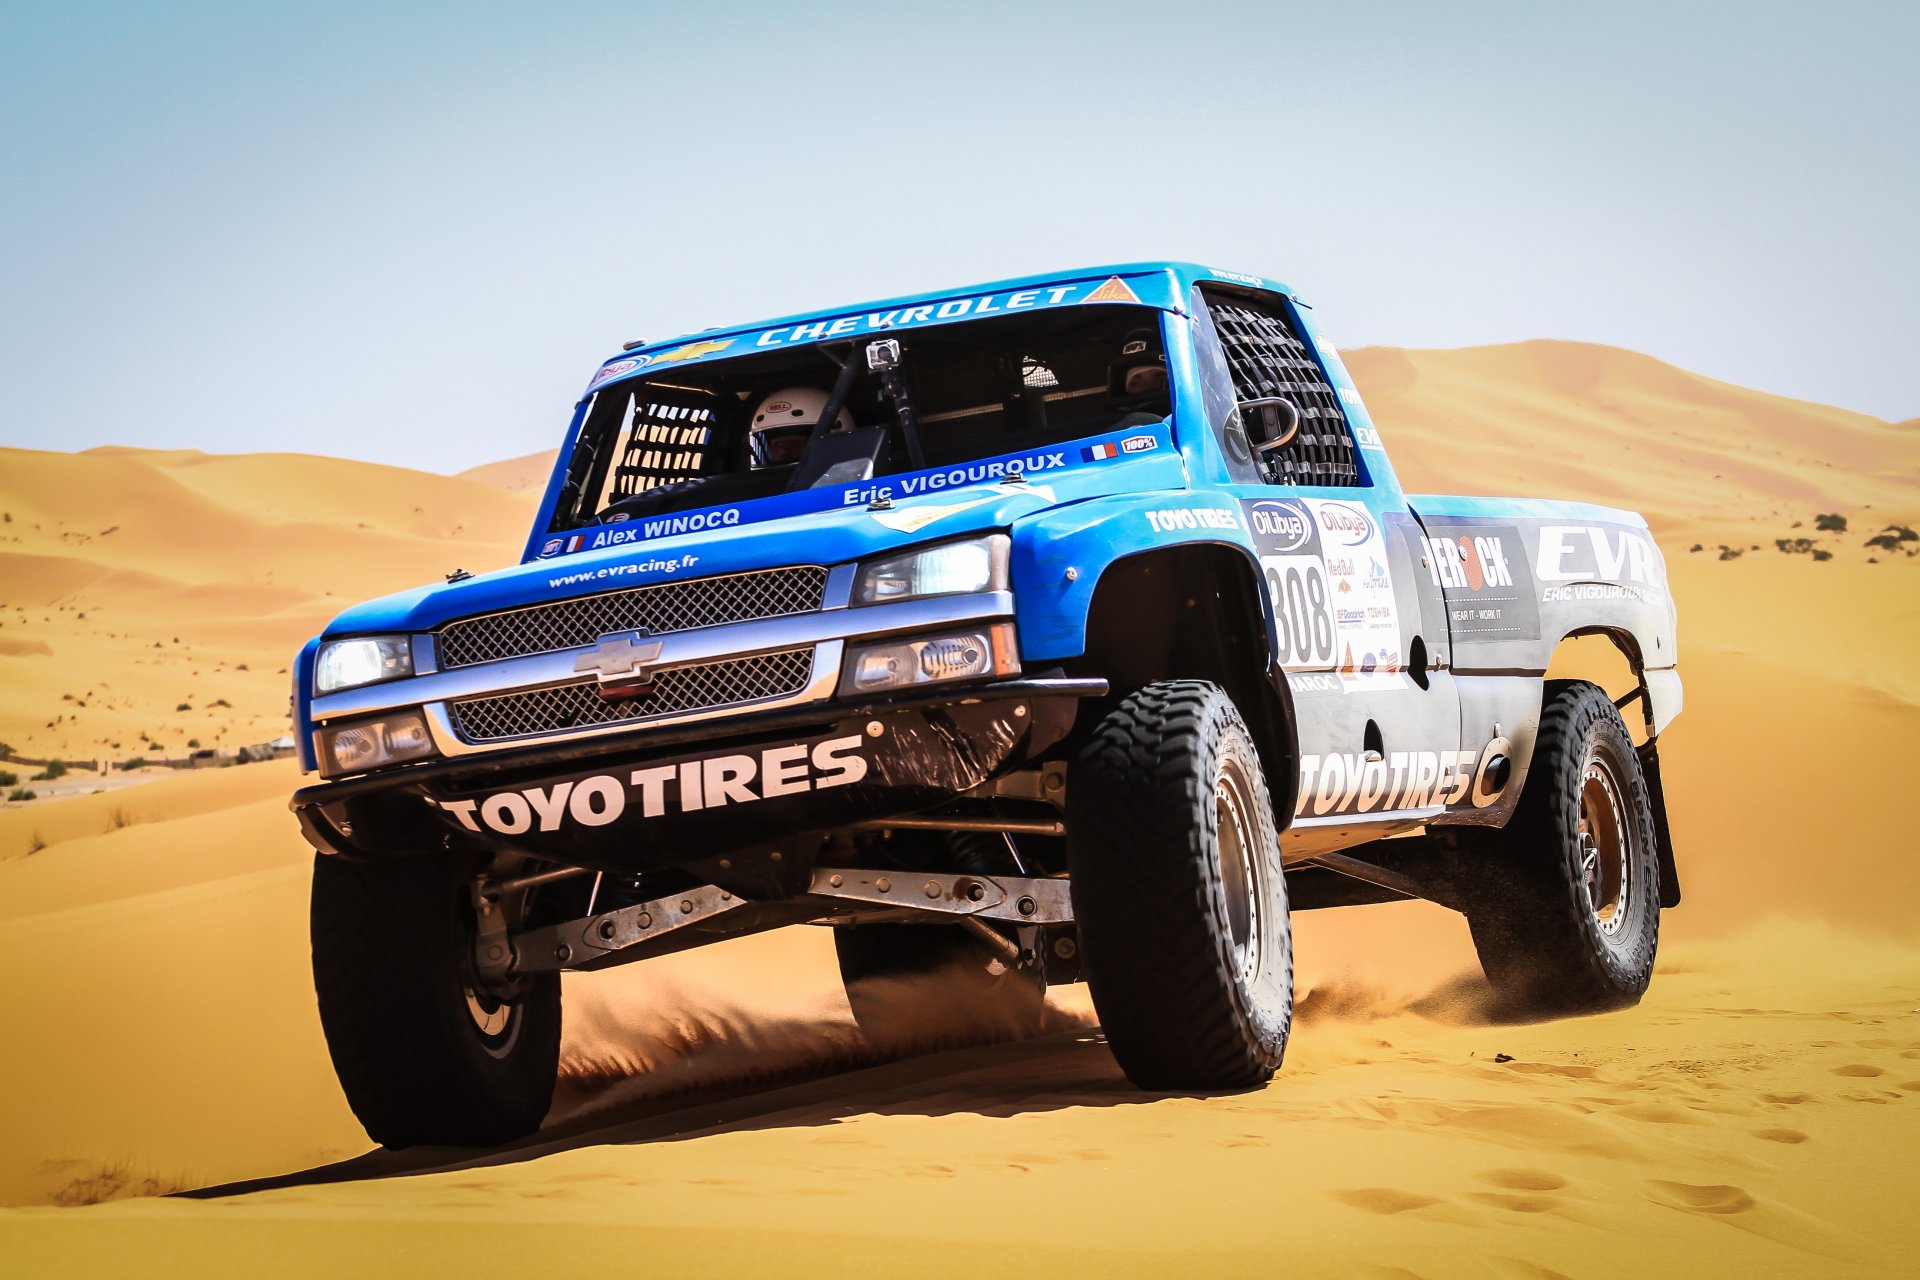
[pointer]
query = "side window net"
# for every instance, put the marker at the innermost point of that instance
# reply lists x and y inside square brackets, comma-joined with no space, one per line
[668,436]
[1268,359]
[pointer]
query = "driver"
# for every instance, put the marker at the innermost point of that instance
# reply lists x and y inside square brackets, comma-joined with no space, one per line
[784,422]
[777,435]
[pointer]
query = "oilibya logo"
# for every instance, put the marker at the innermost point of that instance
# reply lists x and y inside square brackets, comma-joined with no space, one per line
[1282,521]
[692,785]
[1349,524]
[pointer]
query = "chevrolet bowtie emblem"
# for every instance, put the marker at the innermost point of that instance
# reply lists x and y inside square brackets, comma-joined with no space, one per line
[622,663]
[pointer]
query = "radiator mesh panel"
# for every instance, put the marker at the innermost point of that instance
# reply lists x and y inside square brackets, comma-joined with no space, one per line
[668,607]
[682,689]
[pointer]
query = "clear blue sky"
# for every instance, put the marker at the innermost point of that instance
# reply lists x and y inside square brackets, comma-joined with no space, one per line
[408,233]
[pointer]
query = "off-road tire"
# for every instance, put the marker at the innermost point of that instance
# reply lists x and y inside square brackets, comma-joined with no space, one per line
[392,947]
[1178,892]
[930,986]
[1566,924]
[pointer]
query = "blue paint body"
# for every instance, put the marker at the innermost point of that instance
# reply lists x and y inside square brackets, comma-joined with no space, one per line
[1077,511]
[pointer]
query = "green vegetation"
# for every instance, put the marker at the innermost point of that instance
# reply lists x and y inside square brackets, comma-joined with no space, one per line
[20,793]
[193,742]
[8,779]
[54,769]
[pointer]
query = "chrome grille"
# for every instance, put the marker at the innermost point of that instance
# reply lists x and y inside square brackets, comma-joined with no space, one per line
[680,689]
[669,606]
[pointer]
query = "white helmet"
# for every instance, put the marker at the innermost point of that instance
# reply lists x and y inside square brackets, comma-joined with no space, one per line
[783,422]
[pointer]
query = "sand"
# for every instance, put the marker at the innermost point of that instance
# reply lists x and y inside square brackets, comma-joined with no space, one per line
[1754,1116]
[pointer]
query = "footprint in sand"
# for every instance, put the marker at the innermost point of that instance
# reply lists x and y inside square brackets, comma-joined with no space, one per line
[1524,1188]
[1859,1069]
[1384,1199]
[1792,1137]
[1713,1198]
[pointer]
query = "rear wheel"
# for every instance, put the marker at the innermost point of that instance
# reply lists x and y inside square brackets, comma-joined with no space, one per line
[425,1052]
[1178,892]
[1564,902]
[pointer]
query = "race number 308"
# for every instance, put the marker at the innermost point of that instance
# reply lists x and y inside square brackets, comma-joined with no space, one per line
[1302,609]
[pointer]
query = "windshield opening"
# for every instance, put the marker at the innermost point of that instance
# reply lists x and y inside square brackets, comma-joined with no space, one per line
[758,425]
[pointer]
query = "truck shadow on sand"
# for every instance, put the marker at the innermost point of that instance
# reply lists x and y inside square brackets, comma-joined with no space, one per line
[604,1102]
[1066,1069]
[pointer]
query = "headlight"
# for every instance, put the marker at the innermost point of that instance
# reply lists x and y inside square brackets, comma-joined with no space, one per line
[945,569]
[959,655]
[348,664]
[369,744]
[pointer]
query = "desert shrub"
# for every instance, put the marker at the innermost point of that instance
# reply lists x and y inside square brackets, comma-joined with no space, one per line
[8,778]
[1888,540]
[193,742]
[1830,523]
[54,769]
[138,762]
[117,818]
[20,793]
[1823,555]
[183,707]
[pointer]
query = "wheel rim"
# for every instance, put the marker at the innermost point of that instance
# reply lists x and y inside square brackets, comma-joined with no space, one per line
[1606,847]
[494,1019]
[1240,879]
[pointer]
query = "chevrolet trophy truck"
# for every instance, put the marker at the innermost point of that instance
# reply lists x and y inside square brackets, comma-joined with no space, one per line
[1080,632]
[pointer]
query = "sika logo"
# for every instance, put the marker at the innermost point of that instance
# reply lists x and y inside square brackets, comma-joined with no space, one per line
[1285,522]
[1349,524]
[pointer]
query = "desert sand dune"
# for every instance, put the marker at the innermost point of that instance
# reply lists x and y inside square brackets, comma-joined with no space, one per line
[1755,1115]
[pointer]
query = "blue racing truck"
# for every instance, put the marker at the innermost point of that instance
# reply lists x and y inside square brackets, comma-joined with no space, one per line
[1071,628]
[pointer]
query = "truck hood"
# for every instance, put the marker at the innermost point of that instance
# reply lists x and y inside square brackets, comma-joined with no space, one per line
[818,526]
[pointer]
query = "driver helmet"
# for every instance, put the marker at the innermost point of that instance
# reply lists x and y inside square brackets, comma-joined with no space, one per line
[1139,376]
[783,422]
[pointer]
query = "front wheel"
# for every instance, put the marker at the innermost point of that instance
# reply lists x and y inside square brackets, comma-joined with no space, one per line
[1178,891]
[1564,902]
[425,1052]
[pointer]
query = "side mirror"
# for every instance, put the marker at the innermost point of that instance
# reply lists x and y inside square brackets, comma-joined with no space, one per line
[1273,422]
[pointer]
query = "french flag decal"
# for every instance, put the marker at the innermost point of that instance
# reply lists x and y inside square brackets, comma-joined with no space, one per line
[573,543]
[1100,452]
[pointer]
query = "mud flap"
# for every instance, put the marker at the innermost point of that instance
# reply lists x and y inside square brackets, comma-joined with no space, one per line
[1657,797]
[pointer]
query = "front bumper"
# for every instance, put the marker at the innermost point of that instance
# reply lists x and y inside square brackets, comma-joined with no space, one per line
[658,797]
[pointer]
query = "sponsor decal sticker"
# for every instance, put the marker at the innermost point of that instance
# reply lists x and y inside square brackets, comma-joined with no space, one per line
[1113,290]
[1282,525]
[1351,783]
[712,782]
[1594,562]
[1367,436]
[551,547]
[608,372]
[1175,519]
[1139,444]
[1483,573]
